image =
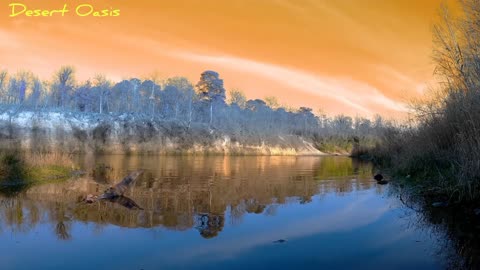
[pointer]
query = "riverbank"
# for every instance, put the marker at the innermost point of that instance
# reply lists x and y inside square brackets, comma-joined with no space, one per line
[132,134]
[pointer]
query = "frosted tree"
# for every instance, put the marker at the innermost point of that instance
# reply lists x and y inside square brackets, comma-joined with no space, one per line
[3,85]
[63,85]
[362,126]
[272,102]
[308,118]
[35,96]
[83,97]
[210,89]
[171,99]
[22,89]
[12,90]
[121,97]
[179,101]
[342,125]
[135,94]
[179,95]
[238,98]
[256,105]
[150,96]
[102,91]
[18,85]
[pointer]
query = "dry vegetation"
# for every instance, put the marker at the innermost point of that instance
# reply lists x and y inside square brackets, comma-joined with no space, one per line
[20,169]
[441,149]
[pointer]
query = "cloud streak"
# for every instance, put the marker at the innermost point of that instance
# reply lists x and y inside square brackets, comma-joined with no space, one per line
[361,96]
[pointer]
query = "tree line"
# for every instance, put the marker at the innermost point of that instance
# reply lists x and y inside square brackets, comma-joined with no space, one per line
[176,99]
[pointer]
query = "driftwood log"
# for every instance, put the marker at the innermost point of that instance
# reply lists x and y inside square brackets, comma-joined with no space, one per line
[120,188]
[115,192]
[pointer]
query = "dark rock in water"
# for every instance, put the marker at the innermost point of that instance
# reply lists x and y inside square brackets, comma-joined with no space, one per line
[440,204]
[378,177]
[382,182]
[280,241]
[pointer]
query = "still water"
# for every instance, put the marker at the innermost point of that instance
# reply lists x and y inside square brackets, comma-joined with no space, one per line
[218,213]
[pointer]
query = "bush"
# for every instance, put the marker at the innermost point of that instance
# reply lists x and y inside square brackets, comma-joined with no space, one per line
[443,144]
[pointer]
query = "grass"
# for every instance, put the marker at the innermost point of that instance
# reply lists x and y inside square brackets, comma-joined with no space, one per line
[47,173]
[352,145]
[19,171]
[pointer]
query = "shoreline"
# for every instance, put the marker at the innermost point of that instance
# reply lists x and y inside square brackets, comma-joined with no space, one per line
[50,132]
[188,153]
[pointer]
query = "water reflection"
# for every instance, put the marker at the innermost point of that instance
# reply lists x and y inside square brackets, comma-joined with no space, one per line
[209,225]
[125,202]
[329,211]
[456,230]
[184,192]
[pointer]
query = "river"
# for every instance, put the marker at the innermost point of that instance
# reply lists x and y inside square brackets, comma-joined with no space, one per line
[202,212]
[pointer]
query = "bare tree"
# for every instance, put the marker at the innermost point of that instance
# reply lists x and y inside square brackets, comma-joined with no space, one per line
[238,97]
[102,90]
[3,85]
[272,102]
[63,85]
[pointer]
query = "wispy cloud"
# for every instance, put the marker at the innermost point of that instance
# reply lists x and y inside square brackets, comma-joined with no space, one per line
[359,95]
[406,81]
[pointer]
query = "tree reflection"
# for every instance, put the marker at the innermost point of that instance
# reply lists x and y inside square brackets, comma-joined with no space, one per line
[12,190]
[180,193]
[209,225]
[61,230]
[253,206]
[63,224]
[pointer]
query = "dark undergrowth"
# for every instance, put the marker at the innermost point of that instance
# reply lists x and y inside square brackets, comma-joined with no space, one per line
[19,170]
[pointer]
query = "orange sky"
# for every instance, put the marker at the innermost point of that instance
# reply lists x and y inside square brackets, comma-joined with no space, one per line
[342,56]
